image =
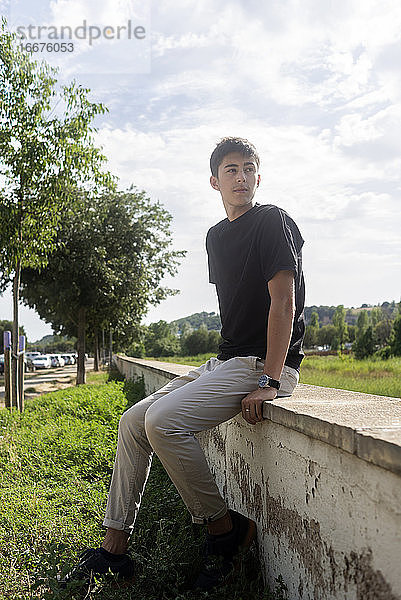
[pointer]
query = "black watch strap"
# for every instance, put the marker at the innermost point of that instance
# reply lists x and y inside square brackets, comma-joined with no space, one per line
[266,381]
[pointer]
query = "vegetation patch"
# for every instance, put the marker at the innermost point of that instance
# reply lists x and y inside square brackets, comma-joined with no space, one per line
[56,461]
[195,360]
[370,375]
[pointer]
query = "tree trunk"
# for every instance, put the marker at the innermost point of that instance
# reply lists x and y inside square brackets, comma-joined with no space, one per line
[111,351]
[96,346]
[14,346]
[81,346]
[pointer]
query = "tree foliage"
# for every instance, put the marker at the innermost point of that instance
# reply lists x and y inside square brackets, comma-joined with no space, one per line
[46,151]
[365,344]
[311,331]
[367,338]
[395,337]
[112,254]
[382,332]
[340,325]
[375,332]
[200,341]
[362,323]
[314,320]
[160,340]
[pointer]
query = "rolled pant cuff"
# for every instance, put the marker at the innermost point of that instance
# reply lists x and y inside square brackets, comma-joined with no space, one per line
[206,520]
[109,523]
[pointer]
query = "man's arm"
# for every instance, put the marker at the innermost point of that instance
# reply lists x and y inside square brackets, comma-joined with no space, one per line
[279,329]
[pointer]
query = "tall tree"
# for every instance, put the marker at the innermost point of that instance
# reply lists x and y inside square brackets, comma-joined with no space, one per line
[362,323]
[111,256]
[314,320]
[196,342]
[160,340]
[351,332]
[340,325]
[327,336]
[362,344]
[46,150]
[395,337]
[311,332]
[376,315]
[382,331]
[365,345]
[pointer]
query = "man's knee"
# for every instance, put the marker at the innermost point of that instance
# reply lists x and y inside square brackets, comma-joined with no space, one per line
[155,422]
[132,419]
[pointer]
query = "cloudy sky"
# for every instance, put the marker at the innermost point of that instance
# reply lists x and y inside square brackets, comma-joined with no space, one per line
[315,85]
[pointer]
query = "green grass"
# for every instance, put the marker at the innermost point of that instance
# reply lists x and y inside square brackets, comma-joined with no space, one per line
[196,360]
[373,376]
[97,377]
[56,461]
[91,377]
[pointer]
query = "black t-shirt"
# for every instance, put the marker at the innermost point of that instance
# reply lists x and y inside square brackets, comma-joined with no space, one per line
[244,255]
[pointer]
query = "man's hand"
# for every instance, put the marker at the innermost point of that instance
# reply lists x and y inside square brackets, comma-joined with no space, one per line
[252,404]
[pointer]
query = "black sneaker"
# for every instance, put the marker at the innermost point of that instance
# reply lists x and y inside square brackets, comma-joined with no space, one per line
[96,561]
[221,551]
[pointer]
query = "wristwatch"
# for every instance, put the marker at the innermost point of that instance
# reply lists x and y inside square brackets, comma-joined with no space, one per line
[266,381]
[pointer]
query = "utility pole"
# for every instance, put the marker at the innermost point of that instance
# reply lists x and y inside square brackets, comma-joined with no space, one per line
[111,350]
[21,372]
[7,369]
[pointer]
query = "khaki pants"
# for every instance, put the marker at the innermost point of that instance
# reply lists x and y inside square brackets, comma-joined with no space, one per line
[165,422]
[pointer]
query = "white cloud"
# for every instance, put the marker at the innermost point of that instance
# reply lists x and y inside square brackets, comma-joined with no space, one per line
[316,87]
[112,12]
[355,128]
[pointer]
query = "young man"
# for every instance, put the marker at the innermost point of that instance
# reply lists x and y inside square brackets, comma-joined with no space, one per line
[255,262]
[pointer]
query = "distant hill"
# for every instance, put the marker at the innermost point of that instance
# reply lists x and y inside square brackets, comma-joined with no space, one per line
[326,312]
[53,343]
[212,320]
[47,339]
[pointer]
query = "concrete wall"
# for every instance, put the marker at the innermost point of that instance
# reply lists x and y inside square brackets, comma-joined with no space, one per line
[322,478]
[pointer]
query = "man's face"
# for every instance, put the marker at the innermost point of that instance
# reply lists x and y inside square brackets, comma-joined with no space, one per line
[237,179]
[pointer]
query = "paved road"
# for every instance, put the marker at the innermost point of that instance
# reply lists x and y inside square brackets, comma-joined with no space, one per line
[59,374]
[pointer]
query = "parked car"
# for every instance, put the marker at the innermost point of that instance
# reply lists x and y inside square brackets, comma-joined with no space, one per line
[32,355]
[69,359]
[29,366]
[66,359]
[57,360]
[42,362]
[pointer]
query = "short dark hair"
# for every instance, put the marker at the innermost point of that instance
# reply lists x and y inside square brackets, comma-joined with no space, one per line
[232,144]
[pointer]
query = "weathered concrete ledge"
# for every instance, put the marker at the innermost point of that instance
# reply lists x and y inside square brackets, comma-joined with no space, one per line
[322,478]
[363,424]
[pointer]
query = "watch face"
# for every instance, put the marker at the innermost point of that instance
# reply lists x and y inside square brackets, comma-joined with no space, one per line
[263,380]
